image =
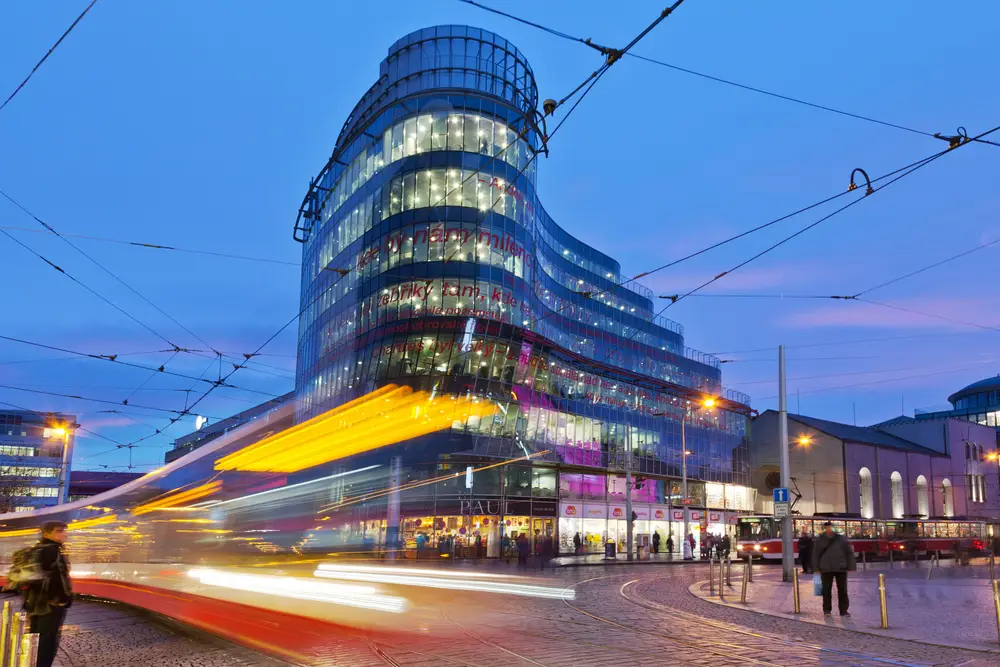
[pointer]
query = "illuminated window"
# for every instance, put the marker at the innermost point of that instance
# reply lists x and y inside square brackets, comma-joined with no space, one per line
[867,504]
[896,481]
[923,508]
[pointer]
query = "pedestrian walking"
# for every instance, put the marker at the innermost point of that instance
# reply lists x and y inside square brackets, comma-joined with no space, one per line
[726,546]
[548,550]
[523,550]
[805,552]
[47,599]
[688,547]
[833,558]
[577,543]
[656,542]
[670,544]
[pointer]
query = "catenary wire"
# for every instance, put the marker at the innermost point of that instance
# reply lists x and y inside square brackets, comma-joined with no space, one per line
[717,79]
[106,270]
[47,54]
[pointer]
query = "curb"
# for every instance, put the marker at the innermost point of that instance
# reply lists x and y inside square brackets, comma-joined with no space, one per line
[695,590]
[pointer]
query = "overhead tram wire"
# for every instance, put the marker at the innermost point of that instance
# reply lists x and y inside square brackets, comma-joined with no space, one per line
[106,270]
[822,107]
[47,54]
[113,358]
[870,191]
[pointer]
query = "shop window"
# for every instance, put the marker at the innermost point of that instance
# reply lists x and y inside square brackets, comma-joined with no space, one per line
[543,482]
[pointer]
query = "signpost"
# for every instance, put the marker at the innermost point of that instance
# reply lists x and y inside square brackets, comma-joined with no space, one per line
[782,507]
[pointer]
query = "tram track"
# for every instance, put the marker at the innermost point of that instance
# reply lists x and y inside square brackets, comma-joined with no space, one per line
[718,647]
[489,642]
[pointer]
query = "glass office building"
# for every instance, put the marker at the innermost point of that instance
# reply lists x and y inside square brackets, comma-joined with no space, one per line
[429,260]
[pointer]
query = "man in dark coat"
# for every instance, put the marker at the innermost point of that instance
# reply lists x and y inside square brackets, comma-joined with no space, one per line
[805,552]
[833,558]
[47,600]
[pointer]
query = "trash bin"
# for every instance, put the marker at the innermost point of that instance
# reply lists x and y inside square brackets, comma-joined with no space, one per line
[610,550]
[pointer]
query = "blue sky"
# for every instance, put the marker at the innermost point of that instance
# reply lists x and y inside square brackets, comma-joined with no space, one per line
[198,125]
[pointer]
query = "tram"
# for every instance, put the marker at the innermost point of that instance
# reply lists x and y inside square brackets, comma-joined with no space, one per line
[760,536]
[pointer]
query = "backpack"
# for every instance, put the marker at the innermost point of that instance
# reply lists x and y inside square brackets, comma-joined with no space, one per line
[24,570]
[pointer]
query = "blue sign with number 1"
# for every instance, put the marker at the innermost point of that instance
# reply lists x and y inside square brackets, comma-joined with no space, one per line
[781,495]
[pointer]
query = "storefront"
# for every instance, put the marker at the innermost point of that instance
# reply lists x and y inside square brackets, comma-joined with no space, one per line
[596,523]
[480,527]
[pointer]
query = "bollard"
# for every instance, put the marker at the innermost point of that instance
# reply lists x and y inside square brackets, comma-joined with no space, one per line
[890,556]
[930,565]
[746,575]
[17,626]
[750,562]
[6,617]
[729,572]
[864,561]
[795,590]
[996,604]
[721,568]
[29,650]
[992,562]
[711,576]
[881,601]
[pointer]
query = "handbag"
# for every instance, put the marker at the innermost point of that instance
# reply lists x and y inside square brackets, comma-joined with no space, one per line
[817,585]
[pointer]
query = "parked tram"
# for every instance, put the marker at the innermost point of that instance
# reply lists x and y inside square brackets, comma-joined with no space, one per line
[760,536]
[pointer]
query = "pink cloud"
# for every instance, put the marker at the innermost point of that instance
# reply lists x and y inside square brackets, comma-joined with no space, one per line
[950,312]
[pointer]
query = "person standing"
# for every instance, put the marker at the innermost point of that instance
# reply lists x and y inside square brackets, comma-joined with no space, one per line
[670,544]
[656,542]
[833,558]
[577,543]
[523,550]
[48,600]
[805,552]
[726,546]
[688,547]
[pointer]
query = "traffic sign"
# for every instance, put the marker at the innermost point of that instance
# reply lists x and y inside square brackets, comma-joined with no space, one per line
[782,510]
[780,495]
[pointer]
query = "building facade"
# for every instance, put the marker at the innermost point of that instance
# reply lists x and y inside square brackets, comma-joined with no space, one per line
[429,261]
[87,483]
[903,468]
[979,402]
[36,452]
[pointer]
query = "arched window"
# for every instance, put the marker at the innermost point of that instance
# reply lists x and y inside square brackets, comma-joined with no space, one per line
[922,503]
[967,456]
[897,494]
[867,503]
[947,498]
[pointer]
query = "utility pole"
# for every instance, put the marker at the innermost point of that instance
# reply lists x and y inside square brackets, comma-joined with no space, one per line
[787,557]
[628,490]
[684,479]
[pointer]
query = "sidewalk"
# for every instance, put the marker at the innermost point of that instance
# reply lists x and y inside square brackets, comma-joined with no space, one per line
[621,559]
[951,611]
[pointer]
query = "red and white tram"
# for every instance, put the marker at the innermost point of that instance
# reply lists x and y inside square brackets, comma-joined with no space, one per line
[761,535]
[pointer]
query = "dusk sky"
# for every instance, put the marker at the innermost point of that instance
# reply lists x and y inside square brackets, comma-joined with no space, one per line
[198,125]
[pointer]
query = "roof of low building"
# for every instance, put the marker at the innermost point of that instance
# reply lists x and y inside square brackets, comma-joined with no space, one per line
[866,435]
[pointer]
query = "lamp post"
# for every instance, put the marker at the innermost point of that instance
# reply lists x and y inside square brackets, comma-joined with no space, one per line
[707,403]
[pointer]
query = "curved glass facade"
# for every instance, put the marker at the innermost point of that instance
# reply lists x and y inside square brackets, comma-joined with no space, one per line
[428,262]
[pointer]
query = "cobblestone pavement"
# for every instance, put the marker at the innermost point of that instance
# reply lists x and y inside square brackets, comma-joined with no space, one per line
[106,635]
[914,604]
[620,616]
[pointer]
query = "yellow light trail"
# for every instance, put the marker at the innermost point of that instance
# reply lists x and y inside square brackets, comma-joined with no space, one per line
[386,416]
[171,501]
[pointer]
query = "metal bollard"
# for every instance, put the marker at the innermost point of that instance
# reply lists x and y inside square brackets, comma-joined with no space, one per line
[746,575]
[721,571]
[729,572]
[930,565]
[881,601]
[795,590]
[711,576]
[18,623]
[864,561]
[6,618]
[890,556]
[29,650]
[996,604]
[992,569]
[750,561]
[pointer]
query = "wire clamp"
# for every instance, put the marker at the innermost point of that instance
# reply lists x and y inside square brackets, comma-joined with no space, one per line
[853,186]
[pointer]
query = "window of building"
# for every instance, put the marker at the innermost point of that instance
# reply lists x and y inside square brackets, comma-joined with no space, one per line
[897,494]
[947,498]
[923,508]
[867,502]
